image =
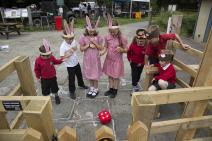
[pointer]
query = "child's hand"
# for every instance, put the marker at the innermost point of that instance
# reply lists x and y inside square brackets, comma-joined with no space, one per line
[138,65]
[92,46]
[38,80]
[119,49]
[153,80]
[185,46]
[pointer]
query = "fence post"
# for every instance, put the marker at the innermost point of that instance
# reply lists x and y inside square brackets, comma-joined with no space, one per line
[138,132]
[32,135]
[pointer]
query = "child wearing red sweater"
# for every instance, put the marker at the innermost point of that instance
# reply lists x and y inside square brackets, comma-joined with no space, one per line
[135,55]
[166,78]
[45,71]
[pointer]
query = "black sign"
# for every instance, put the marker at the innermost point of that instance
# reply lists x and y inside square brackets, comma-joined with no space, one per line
[12,105]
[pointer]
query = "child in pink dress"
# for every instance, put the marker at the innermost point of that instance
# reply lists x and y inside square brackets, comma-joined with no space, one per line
[91,44]
[115,45]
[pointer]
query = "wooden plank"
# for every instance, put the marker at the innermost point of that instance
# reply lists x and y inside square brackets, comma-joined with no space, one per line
[17,121]
[138,132]
[185,67]
[143,111]
[147,81]
[67,133]
[104,132]
[32,135]
[201,139]
[3,121]
[182,83]
[12,135]
[204,78]
[191,51]
[185,123]
[175,95]
[7,69]
[16,91]
[24,72]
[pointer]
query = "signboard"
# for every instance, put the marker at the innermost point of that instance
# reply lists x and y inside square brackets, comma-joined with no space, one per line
[12,105]
[15,13]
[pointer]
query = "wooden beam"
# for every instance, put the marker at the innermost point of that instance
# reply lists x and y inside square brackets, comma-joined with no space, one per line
[17,121]
[185,67]
[32,135]
[3,120]
[174,95]
[204,78]
[16,91]
[7,69]
[23,67]
[12,135]
[143,111]
[138,132]
[201,139]
[191,51]
[185,123]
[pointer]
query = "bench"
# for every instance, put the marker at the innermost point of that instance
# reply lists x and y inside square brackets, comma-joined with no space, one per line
[6,28]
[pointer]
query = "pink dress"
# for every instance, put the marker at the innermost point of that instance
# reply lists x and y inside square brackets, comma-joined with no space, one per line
[114,64]
[91,59]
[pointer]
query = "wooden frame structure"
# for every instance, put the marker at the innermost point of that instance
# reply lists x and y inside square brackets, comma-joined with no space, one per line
[21,65]
[197,95]
[36,112]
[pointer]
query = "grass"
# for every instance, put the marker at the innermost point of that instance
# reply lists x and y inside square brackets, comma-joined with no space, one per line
[188,23]
[80,23]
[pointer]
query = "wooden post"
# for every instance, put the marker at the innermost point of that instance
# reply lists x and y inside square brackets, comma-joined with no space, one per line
[67,134]
[147,80]
[138,132]
[143,109]
[24,72]
[204,78]
[176,23]
[38,116]
[3,121]
[32,135]
[104,133]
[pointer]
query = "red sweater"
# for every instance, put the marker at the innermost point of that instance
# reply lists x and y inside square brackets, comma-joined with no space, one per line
[135,53]
[168,75]
[44,68]
[155,50]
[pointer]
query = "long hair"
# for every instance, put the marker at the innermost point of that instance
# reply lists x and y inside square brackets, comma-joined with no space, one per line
[115,23]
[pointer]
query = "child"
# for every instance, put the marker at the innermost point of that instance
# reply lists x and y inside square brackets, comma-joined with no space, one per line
[91,44]
[135,55]
[166,78]
[157,43]
[45,71]
[68,50]
[115,45]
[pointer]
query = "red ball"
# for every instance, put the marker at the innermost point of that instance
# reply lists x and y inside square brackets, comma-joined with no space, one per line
[104,117]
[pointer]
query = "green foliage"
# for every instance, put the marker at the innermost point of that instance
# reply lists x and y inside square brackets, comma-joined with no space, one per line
[188,23]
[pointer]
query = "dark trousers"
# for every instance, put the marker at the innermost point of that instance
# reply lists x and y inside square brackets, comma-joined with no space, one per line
[136,73]
[72,71]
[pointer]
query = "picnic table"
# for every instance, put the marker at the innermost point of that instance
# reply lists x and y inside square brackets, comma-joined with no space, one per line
[6,28]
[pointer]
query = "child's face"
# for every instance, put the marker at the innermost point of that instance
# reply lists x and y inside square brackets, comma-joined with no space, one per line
[114,32]
[91,32]
[163,63]
[140,38]
[45,56]
[69,40]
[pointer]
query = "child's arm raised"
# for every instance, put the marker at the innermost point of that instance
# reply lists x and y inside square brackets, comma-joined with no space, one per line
[57,61]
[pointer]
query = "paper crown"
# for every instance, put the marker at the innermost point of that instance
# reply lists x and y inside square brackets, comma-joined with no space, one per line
[46,46]
[69,29]
[88,23]
[110,22]
[167,55]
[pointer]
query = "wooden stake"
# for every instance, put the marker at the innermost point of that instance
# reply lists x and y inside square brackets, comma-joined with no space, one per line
[32,135]
[104,132]
[138,132]
[67,134]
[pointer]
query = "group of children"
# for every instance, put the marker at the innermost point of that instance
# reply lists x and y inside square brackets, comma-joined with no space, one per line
[147,49]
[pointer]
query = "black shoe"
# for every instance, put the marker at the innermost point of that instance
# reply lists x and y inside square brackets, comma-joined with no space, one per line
[109,92]
[57,100]
[114,93]
[84,87]
[72,95]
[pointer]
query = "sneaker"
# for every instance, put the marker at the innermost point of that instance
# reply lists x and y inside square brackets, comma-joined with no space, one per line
[72,95]
[84,87]
[95,93]
[89,93]
[57,99]
[114,93]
